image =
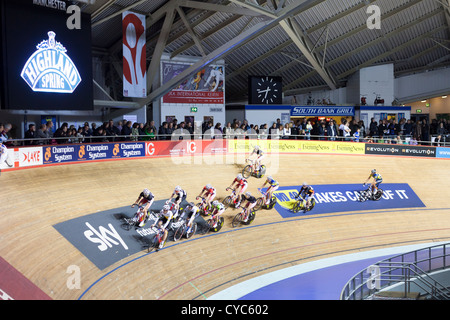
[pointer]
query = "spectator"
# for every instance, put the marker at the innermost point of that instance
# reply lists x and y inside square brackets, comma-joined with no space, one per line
[4,136]
[286,131]
[323,130]
[50,132]
[30,134]
[441,129]
[41,133]
[135,132]
[408,128]
[373,128]
[308,129]
[163,131]
[126,131]
[61,133]
[413,141]
[100,135]
[425,131]
[332,130]
[418,130]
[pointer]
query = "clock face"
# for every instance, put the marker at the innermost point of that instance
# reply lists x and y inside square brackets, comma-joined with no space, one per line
[265,90]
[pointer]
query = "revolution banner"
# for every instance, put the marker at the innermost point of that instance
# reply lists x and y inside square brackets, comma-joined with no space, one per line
[400,150]
[134,55]
[343,198]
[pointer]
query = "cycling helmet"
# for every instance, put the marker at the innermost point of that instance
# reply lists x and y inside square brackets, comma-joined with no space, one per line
[257,147]
[248,194]
[208,186]
[374,170]
[177,189]
[239,177]
[166,207]
[215,203]
[304,184]
[146,192]
[269,178]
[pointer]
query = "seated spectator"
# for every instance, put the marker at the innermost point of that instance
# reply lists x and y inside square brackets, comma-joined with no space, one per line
[61,133]
[413,141]
[126,131]
[286,131]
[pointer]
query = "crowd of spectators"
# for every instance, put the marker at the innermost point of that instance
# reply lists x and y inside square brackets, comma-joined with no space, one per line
[383,131]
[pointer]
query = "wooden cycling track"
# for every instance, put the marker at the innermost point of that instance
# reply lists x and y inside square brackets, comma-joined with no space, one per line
[33,200]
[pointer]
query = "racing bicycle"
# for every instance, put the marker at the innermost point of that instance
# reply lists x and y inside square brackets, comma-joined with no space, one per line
[129,223]
[240,217]
[300,205]
[249,170]
[157,239]
[184,230]
[232,199]
[369,195]
[204,208]
[261,202]
[217,221]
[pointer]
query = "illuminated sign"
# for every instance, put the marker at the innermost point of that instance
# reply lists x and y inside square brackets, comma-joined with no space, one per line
[50,69]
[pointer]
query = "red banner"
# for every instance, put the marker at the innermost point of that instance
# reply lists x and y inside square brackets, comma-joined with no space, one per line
[184,147]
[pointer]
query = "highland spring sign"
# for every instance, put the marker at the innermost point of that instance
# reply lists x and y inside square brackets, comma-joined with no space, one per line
[50,69]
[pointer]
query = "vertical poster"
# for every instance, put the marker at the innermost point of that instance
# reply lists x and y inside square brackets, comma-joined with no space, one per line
[134,55]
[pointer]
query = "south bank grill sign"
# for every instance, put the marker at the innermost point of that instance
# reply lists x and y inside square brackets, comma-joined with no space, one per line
[50,69]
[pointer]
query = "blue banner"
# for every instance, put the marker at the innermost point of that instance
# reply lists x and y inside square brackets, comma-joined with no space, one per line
[343,198]
[442,152]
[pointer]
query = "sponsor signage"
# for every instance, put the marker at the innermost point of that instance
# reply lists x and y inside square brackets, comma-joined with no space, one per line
[314,111]
[296,146]
[50,69]
[400,150]
[443,152]
[30,156]
[343,198]
[101,238]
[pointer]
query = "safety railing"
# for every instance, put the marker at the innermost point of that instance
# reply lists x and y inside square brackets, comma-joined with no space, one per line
[409,271]
[407,140]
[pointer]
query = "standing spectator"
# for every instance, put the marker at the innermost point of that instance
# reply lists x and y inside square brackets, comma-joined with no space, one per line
[408,128]
[418,130]
[163,131]
[323,130]
[42,134]
[49,125]
[425,131]
[332,130]
[441,129]
[356,135]
[135,132]
[30,134]
[373,128]
[61,133]
[4,133]
[346,130]
[308,129]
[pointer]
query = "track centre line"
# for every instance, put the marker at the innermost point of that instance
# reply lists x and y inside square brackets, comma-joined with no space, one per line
[246,228]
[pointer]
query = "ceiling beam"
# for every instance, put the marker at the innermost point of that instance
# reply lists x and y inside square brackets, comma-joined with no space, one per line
[218,8]
[387,54]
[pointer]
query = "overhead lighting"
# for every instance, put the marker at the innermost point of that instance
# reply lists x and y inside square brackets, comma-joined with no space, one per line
[444,97]
[423,101]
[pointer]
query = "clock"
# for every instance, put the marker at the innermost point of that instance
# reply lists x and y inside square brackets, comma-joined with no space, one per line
[265,90]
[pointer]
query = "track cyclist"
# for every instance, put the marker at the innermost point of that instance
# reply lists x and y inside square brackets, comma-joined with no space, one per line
[259,156]
[306,193]
[217,209]
[208,193]
[177,196]
[239,184]
[248,202]
[145,199]
[377,180]
[190,213]
[164,222]
[273,186]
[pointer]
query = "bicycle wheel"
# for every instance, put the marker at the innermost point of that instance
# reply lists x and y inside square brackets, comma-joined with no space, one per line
[179,232]
[154,243]
[259,203]
[296,207]
[251,217]
[312,204]
[377,196]
[362,196]
[247,171]
[192,231]
[227,202]
[237,220]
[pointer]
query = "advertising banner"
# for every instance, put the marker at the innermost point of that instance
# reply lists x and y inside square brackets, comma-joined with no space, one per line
[400,150]
[343,198]
[296,146]
[443,152]
[316,111]
[134,55]
[30,156]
